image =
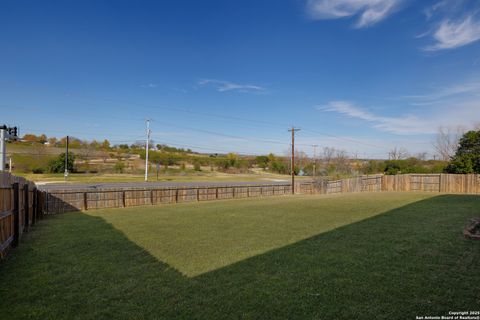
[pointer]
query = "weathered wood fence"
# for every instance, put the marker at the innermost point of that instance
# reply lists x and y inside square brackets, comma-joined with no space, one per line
[445,183]
[20,207]
[58,201]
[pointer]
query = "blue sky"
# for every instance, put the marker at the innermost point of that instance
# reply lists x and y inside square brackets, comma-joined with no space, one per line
[364,76]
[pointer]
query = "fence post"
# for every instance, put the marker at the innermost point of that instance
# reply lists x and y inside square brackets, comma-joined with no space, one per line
[34,206]
[248,192]
[151,197]
[44,204]
[198,194]
[26,208]
[85,201]
[233,192]
[39,204]
[216,193]
[261,191]
[123,198]
[16,217]
[176,195]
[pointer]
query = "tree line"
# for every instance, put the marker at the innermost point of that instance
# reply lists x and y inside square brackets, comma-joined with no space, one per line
[459,154]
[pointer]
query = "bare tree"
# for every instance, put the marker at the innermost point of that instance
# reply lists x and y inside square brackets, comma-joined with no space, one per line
[335,161]
[327,155]
[342,162]
[398,154]
[301,158]
[446,141]
[421,156]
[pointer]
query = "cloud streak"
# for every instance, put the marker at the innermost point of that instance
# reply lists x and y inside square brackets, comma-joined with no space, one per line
[369,12]
[399,125]
[149,85]
[224,86]
[410,124]
[453,34]
[440,94]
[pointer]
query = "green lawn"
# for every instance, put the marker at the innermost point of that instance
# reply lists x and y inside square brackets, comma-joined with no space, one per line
[356,256]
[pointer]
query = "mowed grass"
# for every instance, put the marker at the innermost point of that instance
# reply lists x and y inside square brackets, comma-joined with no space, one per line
[356,256]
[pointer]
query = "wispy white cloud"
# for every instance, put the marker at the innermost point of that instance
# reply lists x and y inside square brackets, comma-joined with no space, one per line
[369,12]
[471,88]
[440,5]
[408,124]
[149,85]
[223,86]
[424,122]
[453,34]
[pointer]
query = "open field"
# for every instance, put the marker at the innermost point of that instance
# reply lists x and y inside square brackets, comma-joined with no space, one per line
[356,256]
[180,177]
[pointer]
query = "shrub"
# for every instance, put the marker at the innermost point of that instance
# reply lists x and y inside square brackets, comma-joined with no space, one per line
[57,165]
[119,167]
[196,166]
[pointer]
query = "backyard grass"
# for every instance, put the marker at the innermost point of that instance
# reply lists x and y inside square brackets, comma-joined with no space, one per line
[355,256]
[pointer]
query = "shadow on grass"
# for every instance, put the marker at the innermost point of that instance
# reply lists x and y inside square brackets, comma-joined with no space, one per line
[409,261]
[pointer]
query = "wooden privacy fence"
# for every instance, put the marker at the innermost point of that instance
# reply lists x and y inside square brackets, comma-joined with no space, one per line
[58,201]
[445,183]
[20,207]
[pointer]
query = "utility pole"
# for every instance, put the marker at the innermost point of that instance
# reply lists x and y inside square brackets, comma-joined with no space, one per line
[314,159]
[3,148]
[66,159]
[6,133]
[146,148]
[292,168]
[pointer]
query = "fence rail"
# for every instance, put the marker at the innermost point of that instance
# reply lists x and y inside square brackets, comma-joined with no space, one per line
[20,207]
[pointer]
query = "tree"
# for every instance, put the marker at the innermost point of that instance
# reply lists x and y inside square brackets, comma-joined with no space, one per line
[421,156]
[95,144]
[327,155]
[446,141]
[262,161]
[467,157]
[196,165]
[119,167]
[398,154]
[232,159]
[30,137]
[52,141]
[42,138]
[106,145]
[57,165]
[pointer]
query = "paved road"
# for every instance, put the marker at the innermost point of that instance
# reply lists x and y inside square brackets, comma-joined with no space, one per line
[94,186]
